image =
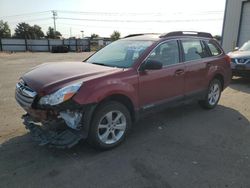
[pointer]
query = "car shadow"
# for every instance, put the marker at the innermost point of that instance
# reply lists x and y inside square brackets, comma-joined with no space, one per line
[240,83]
[158,148]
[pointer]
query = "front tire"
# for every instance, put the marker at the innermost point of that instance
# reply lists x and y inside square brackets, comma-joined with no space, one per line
[110,125]
[213,95]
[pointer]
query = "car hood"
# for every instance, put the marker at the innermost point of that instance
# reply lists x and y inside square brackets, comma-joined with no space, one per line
[239,54]
[49,77]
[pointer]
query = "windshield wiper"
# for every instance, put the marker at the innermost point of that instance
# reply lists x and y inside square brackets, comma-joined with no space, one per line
[102,64]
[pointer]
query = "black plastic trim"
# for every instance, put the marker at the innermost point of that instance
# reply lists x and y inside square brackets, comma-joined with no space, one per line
[187,33]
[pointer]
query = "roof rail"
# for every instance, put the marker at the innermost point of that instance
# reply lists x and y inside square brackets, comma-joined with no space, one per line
[187,33]
[140,34]
[133,35]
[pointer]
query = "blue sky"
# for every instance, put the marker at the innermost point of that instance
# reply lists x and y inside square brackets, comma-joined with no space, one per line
[103,17]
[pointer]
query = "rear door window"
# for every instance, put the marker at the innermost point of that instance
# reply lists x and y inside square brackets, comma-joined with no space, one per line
[193,50]
[166,53]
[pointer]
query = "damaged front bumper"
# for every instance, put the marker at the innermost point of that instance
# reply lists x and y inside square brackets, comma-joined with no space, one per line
[59,128]
[61,137]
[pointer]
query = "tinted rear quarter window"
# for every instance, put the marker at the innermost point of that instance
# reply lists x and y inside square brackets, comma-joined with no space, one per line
[213,48]
[194,50]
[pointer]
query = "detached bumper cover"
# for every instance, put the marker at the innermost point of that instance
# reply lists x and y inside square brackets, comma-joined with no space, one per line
[66,138]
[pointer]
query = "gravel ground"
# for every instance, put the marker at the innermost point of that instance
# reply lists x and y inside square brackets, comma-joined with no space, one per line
[183,147]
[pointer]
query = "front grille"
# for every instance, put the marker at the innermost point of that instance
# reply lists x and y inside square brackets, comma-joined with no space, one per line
[24,94]
[241,60]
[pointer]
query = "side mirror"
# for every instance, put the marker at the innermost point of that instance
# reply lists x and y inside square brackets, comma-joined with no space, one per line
[151,65]
[236,48]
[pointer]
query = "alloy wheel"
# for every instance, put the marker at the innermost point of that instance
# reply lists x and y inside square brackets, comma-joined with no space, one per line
[111,127]
[214,94]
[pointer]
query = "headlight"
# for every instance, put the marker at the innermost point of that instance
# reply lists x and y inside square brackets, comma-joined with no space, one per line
[60,95]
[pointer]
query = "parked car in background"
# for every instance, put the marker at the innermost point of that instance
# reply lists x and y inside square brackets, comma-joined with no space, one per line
[240,60]
[99,99]
[60,49]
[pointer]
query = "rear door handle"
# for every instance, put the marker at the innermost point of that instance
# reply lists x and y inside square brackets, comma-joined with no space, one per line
[179,72]
[209,64]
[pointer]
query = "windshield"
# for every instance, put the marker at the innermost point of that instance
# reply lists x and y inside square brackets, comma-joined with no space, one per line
[122,53]
[245,47]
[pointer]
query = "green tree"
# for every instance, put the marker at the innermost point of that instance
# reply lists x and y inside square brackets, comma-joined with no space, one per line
[25,31]
[36,32]
[115,35]
[22,31]
[4,30]
[93,36]
[51,34]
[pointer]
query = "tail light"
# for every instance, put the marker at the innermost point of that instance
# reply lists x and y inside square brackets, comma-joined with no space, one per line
[228,59]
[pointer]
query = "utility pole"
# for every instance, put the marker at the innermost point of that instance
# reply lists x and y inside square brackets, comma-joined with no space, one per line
[82,33]
[54,18]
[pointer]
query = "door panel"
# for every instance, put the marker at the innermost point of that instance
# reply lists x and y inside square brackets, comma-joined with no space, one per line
[194,53]
[195,77]
[158,86]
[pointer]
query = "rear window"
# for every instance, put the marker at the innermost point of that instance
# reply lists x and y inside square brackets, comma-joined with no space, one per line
[193,50]
[213,48]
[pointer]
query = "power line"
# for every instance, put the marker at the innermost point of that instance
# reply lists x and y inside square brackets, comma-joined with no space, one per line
[140,21]
[26,14]
[114,13]
[30,20]
[96,26]
[137,14]
[106,13]
[114,17]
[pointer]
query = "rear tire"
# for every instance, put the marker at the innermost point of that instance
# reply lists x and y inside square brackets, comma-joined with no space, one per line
[213,94]
[110,125]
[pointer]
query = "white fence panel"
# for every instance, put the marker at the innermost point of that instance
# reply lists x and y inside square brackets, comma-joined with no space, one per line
[37,45]
[16,45]
[43,45]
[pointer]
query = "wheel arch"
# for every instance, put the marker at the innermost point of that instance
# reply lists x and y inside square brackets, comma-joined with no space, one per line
[123,99]
[220,78]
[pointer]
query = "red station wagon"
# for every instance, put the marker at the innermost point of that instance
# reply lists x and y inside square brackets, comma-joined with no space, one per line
[99,99]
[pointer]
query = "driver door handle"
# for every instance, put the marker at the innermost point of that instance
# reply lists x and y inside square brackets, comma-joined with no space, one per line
[179,72]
